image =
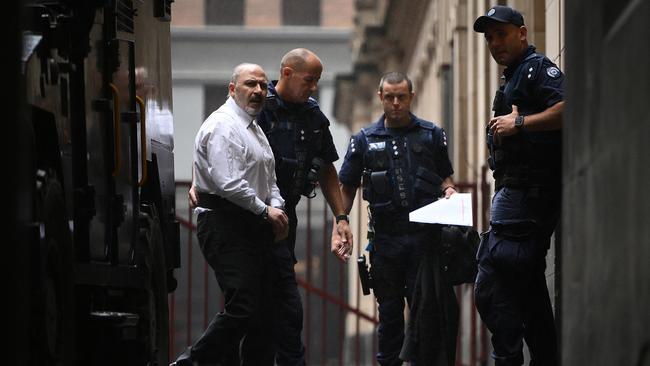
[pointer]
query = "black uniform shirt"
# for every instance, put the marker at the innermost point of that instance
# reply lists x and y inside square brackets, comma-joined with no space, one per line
[282,123]
[534,84]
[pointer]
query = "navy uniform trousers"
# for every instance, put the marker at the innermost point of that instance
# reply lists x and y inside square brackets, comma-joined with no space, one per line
[511,293]
[394,260]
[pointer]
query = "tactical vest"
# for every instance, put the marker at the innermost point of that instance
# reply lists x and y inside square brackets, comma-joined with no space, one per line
[400,173]
[307,136]
[518,161]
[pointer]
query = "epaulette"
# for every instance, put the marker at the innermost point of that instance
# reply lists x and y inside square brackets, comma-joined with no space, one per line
[427,125]
[533,64]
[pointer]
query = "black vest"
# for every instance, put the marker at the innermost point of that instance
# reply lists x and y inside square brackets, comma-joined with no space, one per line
[400,172]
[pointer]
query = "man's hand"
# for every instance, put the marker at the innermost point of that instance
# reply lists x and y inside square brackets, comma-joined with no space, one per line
[342,240]
[191,196]
[281,236]
[449,191]
[502,126]
[279,222]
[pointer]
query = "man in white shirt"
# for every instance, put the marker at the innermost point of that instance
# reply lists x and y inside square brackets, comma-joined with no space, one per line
[240,215]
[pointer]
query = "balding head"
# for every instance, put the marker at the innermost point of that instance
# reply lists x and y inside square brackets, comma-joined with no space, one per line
[299,74]
[239,69]
[299,59]
[248,87]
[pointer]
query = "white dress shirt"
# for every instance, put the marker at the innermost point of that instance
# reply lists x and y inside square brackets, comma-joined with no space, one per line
[233,159]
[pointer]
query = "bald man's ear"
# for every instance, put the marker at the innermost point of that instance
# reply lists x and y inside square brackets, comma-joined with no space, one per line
[286,71]
[231,88]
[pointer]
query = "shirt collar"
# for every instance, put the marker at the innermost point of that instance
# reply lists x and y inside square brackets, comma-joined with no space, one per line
[273,93]
[244,117]
[381,130]
[508,71]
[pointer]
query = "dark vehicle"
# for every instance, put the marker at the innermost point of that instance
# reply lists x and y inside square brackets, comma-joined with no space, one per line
[99,239]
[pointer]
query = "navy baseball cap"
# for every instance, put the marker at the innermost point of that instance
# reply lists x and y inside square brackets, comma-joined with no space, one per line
[501,14]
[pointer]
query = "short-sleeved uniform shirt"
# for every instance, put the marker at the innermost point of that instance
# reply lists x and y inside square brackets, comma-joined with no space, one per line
[533,85]
[289,126]
[387,241]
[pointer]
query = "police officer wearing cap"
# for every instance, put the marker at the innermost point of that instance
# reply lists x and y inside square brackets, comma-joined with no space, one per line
[524,141]
[402,163]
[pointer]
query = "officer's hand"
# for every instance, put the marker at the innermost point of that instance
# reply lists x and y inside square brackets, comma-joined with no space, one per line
[449,191]
[191,196]
[347,241]
[279,222]
[502,126]
[341,245]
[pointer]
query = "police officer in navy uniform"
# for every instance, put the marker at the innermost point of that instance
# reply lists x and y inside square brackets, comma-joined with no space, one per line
[524,141]
[299,135]
[402,163]
[304,152]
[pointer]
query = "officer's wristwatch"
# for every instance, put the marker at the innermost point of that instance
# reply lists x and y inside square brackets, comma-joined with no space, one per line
[519,122]
[342,217]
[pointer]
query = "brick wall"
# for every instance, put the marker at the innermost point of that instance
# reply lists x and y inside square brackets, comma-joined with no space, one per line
[188,13]
[262,13]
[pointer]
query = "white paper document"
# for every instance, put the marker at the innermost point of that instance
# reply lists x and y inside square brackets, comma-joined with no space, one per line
[457,210]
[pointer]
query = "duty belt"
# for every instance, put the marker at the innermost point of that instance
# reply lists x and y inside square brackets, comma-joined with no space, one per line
[523,178]
[398,226]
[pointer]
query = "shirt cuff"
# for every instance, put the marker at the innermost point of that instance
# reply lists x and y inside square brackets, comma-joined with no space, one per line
[277,203]
[260,206]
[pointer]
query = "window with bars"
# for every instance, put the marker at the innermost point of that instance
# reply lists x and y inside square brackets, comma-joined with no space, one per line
[301,12]
[224,12]
[214,96]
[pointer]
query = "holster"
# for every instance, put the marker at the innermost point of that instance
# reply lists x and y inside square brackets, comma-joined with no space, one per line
[364,275]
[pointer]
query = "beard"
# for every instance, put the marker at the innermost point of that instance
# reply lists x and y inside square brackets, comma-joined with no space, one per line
[252,111]
[245,104]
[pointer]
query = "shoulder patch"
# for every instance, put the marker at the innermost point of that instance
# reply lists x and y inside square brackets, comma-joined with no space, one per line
[553,72]
[377,146]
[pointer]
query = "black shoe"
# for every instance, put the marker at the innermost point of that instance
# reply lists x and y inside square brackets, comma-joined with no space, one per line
[184,362]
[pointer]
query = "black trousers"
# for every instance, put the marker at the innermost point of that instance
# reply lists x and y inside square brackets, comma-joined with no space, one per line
[237,245]
[285,306]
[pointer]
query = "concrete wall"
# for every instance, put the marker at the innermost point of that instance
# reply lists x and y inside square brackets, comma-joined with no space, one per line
[606,238]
